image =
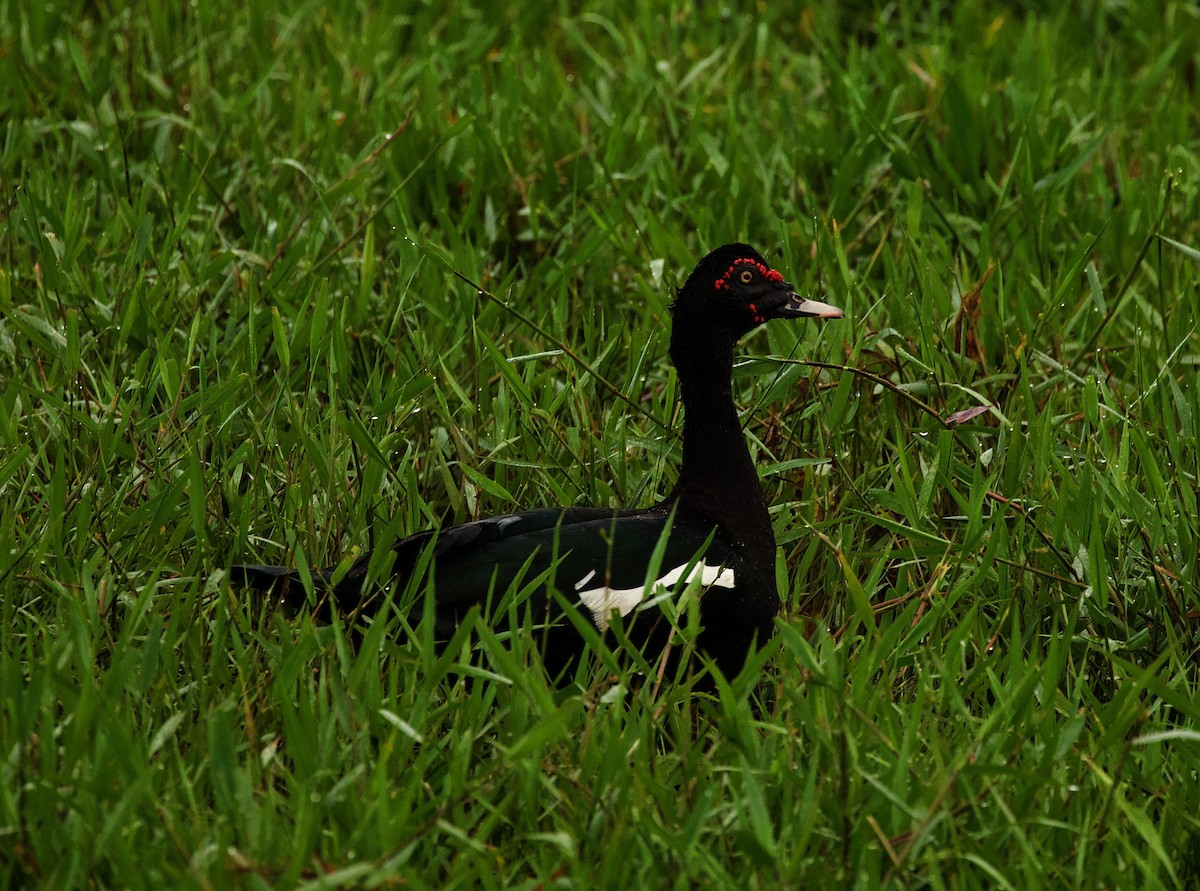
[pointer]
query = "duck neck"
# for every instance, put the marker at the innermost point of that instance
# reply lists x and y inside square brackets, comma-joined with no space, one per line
[718,479]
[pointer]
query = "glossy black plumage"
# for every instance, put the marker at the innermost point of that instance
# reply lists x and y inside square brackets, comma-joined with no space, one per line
[719,536]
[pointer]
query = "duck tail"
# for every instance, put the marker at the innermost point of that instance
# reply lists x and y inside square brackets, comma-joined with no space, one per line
[263,578]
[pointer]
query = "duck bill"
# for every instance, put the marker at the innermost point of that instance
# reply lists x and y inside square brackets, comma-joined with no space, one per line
[798,307]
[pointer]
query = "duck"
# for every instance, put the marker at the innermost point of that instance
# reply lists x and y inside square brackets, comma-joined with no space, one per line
[710,536]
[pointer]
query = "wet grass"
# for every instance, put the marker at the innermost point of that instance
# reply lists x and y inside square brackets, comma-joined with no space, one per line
[231,330]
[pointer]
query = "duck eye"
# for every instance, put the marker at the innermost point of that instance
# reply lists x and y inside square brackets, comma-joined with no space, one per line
[746,276]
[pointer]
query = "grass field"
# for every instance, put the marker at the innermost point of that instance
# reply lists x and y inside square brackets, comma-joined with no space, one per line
[231,330]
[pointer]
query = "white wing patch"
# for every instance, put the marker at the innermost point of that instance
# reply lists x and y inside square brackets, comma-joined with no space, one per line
[602,601]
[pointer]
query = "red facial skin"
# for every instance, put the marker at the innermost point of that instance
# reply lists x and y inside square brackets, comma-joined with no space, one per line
[765,271]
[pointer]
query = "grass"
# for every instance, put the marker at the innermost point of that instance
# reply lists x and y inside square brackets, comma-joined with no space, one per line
[230,329]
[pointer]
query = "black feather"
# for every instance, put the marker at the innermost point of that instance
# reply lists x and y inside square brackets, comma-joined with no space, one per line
[715,521]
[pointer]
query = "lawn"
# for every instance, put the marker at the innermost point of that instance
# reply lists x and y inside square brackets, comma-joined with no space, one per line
[280,286]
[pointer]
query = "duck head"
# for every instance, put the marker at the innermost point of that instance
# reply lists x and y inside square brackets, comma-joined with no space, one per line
[731,292]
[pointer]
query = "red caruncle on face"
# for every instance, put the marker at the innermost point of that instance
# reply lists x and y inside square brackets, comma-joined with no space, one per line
[763,269]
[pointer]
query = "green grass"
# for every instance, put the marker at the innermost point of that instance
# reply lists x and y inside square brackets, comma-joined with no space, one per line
[230,330]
